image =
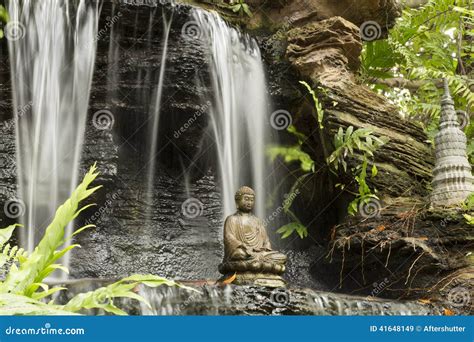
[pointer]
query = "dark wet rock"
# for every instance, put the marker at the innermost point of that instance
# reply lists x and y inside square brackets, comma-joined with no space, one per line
[8,175]
[250,300]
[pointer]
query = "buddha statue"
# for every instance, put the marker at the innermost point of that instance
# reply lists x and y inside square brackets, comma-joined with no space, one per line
[248,253]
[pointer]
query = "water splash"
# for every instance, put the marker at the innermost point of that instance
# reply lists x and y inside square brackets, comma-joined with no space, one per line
[238,300]
[52,66]
[240,108]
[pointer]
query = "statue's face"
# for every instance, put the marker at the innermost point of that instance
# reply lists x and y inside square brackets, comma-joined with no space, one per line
[246,203]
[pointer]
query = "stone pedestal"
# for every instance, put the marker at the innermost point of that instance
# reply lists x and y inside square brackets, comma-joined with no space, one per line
[256,279]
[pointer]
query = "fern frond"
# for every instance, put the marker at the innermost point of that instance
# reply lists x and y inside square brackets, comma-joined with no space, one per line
[103,298]
[39,263]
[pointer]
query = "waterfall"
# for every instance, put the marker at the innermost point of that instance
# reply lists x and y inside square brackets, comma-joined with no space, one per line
[52,54]
[240,109]
[155,115]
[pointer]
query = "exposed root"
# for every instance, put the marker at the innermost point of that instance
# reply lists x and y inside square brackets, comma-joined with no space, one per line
[412,265]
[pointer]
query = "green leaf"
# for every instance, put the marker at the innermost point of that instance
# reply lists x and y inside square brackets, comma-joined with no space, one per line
[247,10]
[374,171]
[317,105]
[292,227]
[291,154]
[11,304]
[6,233]
[39,262]
[103,297]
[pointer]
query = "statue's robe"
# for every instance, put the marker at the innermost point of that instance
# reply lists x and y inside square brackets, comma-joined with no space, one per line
[247,246]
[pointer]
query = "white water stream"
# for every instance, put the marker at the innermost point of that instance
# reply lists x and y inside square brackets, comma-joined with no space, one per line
[52,59]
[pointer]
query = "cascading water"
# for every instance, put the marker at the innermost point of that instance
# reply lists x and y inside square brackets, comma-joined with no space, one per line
[52,62]
[239,112]
[155,114]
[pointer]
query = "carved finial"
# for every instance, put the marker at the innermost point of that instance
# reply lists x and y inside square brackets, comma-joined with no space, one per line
[448,113]
[447,94]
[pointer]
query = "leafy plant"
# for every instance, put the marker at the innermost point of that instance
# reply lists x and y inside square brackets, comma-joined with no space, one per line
[361,140]
[426,45]
[365,144]
[4,18]
[291,154]
[317,105]
[239,6]
[468,205]
[23,290]
[292,227]
[469,219]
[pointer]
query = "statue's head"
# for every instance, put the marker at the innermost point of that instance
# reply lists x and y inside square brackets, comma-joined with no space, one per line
[245,199]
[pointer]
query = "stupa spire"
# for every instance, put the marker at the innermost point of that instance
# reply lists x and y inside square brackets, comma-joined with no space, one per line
[452,176]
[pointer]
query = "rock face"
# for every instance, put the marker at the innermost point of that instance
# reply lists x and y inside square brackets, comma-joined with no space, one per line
[126,240]
[326,53]
[453,180]
[322,50]
[301,12]
[398,249]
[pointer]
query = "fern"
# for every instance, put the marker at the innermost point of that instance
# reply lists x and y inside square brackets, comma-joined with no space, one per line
[7,252]
[239,6]
[41,263]
[290,228]
[427,44]
[103,298]
[317,105]
[345,142]
[23,288]
[365,144]
[14,305]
